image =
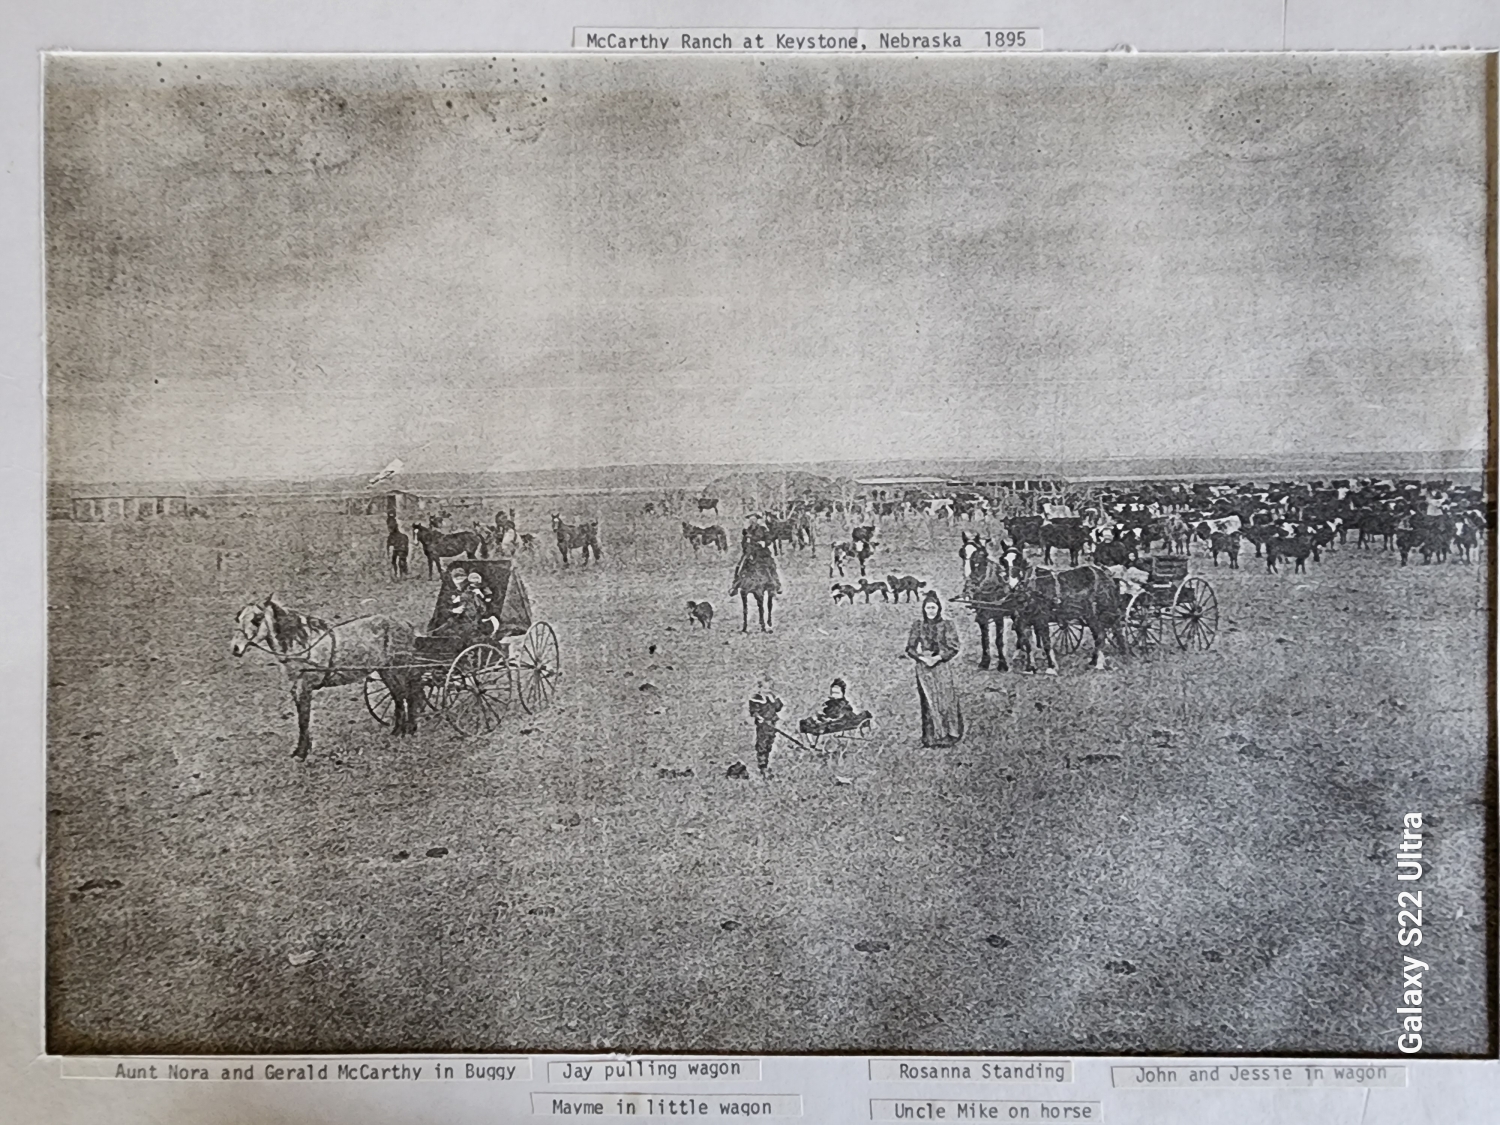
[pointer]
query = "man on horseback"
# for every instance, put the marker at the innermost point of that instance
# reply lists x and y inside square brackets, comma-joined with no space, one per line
[756,575]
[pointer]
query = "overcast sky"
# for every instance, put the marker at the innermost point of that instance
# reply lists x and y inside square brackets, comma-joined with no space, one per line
[305,266]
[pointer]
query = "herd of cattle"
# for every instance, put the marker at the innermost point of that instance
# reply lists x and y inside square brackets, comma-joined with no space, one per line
[1284,522]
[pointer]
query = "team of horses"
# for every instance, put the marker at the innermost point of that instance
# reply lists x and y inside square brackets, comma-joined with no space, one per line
[1006,585]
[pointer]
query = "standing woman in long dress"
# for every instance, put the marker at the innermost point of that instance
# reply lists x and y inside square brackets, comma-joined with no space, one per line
[933,643]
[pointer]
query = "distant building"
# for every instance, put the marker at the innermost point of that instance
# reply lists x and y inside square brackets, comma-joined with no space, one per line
[403,505]
[105,508]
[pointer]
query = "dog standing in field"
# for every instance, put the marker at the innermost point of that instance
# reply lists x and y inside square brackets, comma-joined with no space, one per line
[842,590]
[701,613]
[907,586]
[868,588]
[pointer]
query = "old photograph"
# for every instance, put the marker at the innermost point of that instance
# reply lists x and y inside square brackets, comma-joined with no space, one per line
[797,554]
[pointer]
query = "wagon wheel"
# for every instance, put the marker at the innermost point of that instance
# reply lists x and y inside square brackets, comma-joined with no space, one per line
[477,690]
[538,667]
[1067,636]
[378,700]
[1143,627]
[1195,615]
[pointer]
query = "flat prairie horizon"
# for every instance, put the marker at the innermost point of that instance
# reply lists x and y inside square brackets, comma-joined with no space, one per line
[608,478]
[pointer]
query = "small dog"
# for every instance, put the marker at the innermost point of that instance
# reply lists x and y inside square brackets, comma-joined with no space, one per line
[868,588]
[840,590]
[701,613]
[907,586]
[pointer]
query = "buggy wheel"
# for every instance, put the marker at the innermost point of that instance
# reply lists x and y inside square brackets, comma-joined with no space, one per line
[378,700]
[477,690]
[1067,636]
[1195,615]
[1143,627]
[538,667]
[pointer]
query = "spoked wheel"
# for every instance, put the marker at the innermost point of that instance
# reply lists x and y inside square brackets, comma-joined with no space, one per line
[477,690]
[378,700]
[1143,627]
[1195,615]
[1067,636]
[538,667]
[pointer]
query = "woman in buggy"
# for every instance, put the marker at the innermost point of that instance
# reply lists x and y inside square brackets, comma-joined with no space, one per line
[470,617]
[836,715]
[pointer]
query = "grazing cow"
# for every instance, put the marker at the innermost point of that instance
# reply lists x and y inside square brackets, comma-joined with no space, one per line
[1466,541]
[1222,544]
[1025,531]
[583,536]
[397,549]
[1260,534]
[439,547]
[1381,525]
[1436,536]
[701,613]
[845,591]
[1406,539]
[1324,534]
[1067,533]
[1295,547]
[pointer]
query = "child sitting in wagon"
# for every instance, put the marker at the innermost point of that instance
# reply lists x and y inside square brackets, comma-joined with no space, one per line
[837,713]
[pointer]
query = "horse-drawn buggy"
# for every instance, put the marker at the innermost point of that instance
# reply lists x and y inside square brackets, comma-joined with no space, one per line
[1128,608]
[1161,598]
[472,676]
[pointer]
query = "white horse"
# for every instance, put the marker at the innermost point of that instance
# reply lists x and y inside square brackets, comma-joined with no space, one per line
[316,655]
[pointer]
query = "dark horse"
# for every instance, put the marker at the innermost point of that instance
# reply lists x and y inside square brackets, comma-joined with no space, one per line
[756,576]
[1087,593]
[437,546]
[987,583]
[315,655]
[710,536]
[583,536]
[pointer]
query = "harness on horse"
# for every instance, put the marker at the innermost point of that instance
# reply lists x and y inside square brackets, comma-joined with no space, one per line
[283,658]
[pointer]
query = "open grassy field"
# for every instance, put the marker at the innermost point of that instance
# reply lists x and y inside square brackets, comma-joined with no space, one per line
[1186,852]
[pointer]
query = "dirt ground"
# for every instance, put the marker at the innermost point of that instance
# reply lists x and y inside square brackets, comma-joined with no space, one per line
[1188,852]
